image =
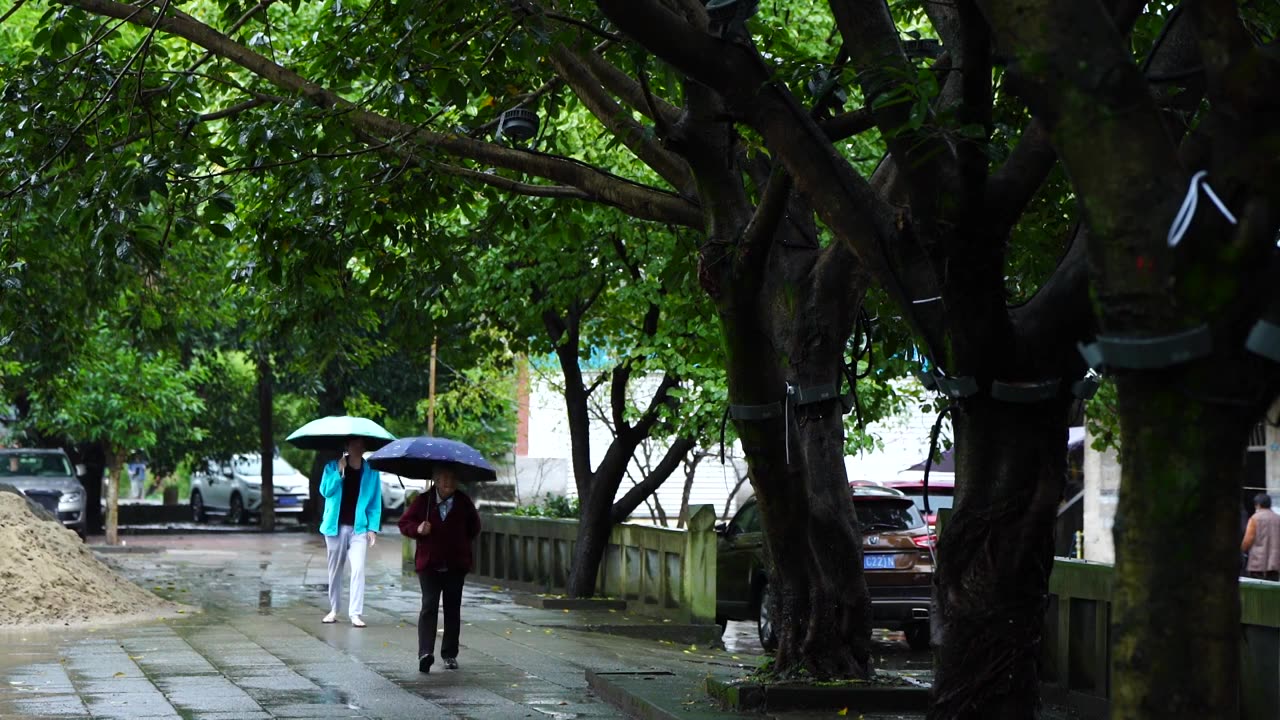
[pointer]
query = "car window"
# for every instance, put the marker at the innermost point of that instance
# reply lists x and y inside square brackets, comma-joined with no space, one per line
[747,520]
[888,515]
[38,464]
[936,502]
[252,466]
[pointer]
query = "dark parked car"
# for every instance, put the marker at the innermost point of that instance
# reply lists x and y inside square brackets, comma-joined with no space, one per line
[45,477]
[897,556]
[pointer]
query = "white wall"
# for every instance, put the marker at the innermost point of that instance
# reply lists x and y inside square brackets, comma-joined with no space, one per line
[548,466]
[1101,496]
[905,439]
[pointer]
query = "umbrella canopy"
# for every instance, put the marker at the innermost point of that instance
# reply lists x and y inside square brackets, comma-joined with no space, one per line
[331,433]
[418,457]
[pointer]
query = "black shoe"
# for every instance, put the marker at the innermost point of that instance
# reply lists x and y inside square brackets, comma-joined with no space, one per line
[451,663]
[424,663]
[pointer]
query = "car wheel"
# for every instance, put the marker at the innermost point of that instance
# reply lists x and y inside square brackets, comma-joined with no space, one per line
[236,515]
[197,507]
[918,636]
[764,623]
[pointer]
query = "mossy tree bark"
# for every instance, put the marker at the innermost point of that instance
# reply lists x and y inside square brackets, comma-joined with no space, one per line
[995,558]
[1177,539]
[1184,420]
[932,226]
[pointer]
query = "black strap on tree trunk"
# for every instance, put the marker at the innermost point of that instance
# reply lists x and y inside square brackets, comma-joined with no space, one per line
[1148,353]
[1264,340]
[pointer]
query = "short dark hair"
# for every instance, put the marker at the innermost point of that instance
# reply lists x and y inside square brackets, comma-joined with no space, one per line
[1262,500]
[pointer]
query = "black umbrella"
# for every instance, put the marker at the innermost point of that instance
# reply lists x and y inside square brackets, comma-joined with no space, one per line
[418,457]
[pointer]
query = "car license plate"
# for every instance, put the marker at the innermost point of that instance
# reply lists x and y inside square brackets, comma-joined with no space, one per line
[879,561]
[288,500]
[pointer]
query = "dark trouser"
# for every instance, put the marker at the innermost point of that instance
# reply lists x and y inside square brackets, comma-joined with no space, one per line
[1271,575]
[434,583]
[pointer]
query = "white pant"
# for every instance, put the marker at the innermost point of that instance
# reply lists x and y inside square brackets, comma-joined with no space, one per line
[347,544]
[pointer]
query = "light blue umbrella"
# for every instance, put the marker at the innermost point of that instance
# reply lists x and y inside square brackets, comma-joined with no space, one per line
[331,433]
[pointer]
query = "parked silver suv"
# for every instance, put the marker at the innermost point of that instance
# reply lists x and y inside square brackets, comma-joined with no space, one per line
[45,477]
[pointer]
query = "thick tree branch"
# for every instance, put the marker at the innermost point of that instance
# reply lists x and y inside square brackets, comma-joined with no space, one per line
[1074,69]
[620,379]
[1240,74]
[1013,185]
[974,111]
[642,490]
[944,15]
[624,257]
[844,200]
[629,90]
[1016,182]
[633,198]
[653,413]
[846,125]
[869,31]
[563,192]
[623,448]
[565,336]
[1060,314]
[759,234]
[619,121]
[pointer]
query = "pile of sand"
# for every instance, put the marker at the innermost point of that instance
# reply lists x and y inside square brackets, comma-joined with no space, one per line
[48,576]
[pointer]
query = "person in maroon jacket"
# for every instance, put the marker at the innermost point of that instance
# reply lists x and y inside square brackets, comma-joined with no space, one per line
[445,522]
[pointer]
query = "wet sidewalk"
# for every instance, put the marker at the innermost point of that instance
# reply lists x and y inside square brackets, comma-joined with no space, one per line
[259,650]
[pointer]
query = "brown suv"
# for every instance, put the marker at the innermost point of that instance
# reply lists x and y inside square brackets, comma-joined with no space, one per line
[897,557]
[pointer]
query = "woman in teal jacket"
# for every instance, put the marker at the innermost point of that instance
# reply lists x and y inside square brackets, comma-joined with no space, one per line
[352,518]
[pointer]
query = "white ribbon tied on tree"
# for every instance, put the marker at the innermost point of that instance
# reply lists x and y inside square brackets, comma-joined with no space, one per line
[1187,212]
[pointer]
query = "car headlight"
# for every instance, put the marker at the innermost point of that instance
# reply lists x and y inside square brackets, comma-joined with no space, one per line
[73,496]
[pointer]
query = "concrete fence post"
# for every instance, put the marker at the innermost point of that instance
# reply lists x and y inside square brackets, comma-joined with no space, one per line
[699,568]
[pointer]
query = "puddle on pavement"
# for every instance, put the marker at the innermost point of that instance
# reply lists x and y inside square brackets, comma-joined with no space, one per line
[335,696]
[557,715]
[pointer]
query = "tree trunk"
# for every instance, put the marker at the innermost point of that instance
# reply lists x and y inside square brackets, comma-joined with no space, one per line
[595,524]
[266,442]
[821,606]
[94,460]
[690,472]
[1175,630]
[994,559]
[834,638]
[113,499]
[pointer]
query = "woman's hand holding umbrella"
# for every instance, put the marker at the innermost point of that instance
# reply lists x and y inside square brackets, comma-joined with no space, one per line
[424,528]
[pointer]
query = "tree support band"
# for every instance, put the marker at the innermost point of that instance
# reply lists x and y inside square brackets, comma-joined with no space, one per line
[1264,340]
[1149,353]
[756,412]
[958,388]
[1033,392]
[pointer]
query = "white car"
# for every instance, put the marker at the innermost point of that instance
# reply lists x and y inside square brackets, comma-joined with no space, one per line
[234,489]
[394,492]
